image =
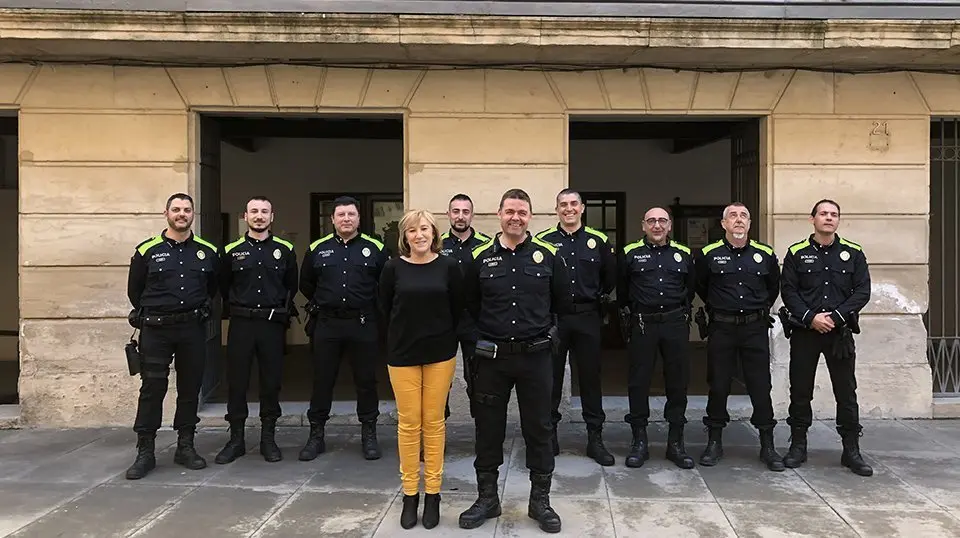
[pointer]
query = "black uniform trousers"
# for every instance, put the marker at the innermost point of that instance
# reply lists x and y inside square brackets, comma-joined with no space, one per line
[467,337]
[531,373]
[806,345]
[749,342]
[580,335]
[671,338]
[184,345]
[331,338]
[249,337]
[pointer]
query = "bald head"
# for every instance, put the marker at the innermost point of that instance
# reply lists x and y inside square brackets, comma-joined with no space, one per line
[656,213]
[657,225]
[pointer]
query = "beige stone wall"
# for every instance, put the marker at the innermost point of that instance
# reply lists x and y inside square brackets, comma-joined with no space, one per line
[101,148]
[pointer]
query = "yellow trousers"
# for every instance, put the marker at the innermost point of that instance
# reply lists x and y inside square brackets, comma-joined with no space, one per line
[421,393]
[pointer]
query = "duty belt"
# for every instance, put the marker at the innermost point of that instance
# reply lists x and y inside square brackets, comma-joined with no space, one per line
[519,348]
[341,313]
[171,319]
[737,319]
[257,313]
[579,308]
[660,317]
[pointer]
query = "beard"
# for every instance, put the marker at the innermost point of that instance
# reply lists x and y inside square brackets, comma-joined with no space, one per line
[179,225]
[460,226]
[258,227]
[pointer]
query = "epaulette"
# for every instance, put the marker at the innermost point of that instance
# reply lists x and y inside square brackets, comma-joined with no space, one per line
[321,240]
[373,240]
[632,246]
[550,248]
[479,250]
[204,242]
[680,246]
[712,246]
[542,233]
[283,242]
[799,245]
[851,244]
[598,233]
[235,244]
[760,246]
[480,236]
[149,243]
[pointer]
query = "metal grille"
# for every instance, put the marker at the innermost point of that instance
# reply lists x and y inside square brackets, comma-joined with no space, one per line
[942,320]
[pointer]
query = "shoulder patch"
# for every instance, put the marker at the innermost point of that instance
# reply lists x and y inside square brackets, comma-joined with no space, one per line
[760,246]
[711,246]
[204,242]
[321,240]
[632,246]
[231,246]
[798,246]
[283,242]
[851,244]
[373,240]
[680,246]
[550,248]
[477,251]
[147,244]
[598,233]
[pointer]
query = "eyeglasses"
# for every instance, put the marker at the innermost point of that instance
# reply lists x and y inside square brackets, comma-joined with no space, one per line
[660,221]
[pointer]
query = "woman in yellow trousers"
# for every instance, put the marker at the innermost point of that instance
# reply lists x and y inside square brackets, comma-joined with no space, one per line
[421,295]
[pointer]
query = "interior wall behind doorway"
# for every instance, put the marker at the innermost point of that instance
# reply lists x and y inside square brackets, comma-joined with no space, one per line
[9,275]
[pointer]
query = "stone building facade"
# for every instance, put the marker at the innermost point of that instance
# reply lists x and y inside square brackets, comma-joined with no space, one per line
[102,146]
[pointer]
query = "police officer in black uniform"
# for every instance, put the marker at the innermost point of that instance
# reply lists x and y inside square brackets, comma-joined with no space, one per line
[592,263]
[513,288]
[657,286]
[172,280]
[339,276]
[826,282]
[459,242]
[739,280]
[258,283]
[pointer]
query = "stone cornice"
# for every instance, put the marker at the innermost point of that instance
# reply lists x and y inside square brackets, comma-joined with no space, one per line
[474,30]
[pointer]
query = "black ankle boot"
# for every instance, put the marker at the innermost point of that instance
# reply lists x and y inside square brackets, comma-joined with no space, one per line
[268,440]
[676,452]
[408,517]
[186,454]
[797,453]
[768,453]
[235,447]
[431,510]
[714,449]
[639,449]
[595,448]
[146,460]
[539,506]
[315,444]
[368,440]
[851,457]
[487,504]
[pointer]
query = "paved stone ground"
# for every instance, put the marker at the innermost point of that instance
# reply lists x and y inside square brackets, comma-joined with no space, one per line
[70,483]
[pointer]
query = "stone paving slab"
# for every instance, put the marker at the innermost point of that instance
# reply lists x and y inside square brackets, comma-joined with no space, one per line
[70,483]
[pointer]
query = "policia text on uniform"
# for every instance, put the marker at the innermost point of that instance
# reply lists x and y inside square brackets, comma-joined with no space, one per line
[528,301]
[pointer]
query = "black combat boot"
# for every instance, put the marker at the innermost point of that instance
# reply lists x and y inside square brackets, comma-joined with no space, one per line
[595,448]
[539,506]
[315,444]
[408,517]
[639,449]
[487,504]
[368,439]
[186,454]
[556,442]
[676,452]
[768,452]
[714,450]
[235,447]
[797,453]
[146,459]
[431,510]
[268,440]
[851,457]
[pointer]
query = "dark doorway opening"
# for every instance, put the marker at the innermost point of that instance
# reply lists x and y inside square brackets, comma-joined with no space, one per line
[9,270]
[301,163]
[692,168]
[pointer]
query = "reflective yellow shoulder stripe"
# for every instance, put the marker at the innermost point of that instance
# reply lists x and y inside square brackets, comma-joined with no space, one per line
[321,240]
[148,244]
[851,244]
[373,240]
[632,246]
[711,246]
[204,242]
[552,249]
[477,251]
[481,236]
[761,246]
[539,235]
[680,246]
[598,233]
[445,235]
[799,245]
[283,242]
[231,246]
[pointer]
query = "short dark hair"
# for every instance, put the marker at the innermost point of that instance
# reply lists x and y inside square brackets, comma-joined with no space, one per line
[461,198]
[568,190]
[516,194]
[813,212]
[346,200]
[179,196]
[258,199]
